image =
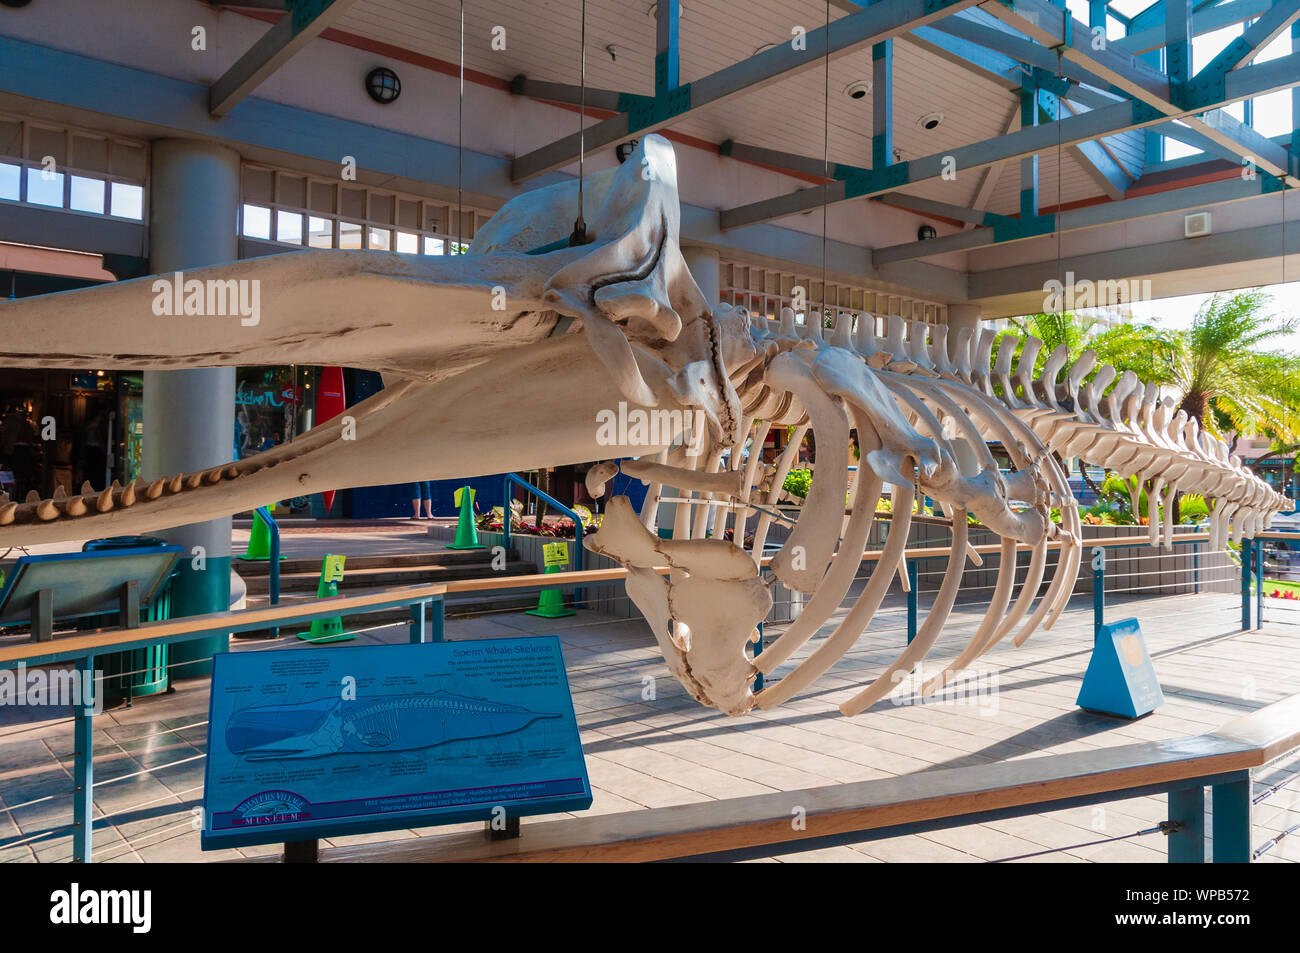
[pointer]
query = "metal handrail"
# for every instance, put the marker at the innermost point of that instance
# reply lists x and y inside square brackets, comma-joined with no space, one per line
[550,501]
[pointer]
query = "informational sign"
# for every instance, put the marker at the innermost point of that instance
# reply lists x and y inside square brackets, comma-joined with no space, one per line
[555,554]
[311,743]
[1120,679]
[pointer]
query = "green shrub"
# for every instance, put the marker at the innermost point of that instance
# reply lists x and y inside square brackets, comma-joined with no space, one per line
[798,483]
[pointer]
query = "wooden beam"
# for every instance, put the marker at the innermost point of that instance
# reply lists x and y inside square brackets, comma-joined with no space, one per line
[302,24]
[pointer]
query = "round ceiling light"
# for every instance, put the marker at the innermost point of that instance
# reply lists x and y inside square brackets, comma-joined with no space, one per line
[930,121]
[858,90]
[383,85]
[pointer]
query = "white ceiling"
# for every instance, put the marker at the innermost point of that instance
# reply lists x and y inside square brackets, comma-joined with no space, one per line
[542,42]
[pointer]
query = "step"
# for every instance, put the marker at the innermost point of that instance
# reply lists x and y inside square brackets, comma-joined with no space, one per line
[386,578]
[441,557]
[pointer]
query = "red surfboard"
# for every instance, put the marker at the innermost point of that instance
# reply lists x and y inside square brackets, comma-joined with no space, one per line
[330,402]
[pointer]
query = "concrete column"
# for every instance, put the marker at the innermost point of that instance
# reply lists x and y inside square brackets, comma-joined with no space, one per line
[963,316]
[706,268]
[189,414]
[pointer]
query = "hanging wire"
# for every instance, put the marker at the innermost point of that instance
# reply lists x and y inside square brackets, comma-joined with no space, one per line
[579,236]
[826,155]
[460,141]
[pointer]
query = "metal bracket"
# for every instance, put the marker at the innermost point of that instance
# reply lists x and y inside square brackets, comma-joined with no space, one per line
[653,111]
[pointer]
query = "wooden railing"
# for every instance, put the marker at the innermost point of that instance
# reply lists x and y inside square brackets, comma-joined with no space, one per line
[812,818]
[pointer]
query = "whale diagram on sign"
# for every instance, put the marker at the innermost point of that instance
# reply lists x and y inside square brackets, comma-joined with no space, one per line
[379,724]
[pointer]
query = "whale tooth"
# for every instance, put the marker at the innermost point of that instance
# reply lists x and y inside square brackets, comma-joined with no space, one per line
[175,483]
[7,511]
[60,493]
[193,481]
[46,509]
[104,502]
[127,497]
[154,490]
[32,497]
[230,472]
[87,489]
[75,506]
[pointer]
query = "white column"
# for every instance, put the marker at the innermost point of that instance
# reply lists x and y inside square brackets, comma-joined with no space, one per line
[189,414]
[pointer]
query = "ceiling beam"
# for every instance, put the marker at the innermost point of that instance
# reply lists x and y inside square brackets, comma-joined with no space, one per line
[304,22]
[851,33]
[1112,213]
[1054,28]
[1255,37]
[607,99]
[1247,82]
[1175,95]
[1203,21]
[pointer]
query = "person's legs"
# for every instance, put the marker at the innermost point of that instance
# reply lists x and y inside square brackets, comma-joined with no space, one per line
[426,497]
[415,501]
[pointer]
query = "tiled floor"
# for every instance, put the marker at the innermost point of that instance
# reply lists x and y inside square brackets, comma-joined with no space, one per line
[669,750]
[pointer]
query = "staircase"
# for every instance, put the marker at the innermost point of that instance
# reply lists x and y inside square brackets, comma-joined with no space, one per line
[362,574]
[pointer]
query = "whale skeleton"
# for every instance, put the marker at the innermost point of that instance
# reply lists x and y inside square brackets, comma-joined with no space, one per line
[504,358]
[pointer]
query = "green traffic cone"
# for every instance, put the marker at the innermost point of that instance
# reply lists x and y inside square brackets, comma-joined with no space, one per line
[259,540]
[331,629]
[550,603]
[466,530]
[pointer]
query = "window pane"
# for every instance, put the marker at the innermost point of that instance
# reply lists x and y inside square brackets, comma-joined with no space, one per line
[320,233]
[434,246]
[257,222]
[380,239]
[1273,113]
[127,200]
[408,244]
[349,235]
[288,227]
[88,195]
[45,188]
[10,175]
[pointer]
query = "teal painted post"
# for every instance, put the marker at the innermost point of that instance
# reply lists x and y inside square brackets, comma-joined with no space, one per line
[758,645]
[911,600]
[1231,824]
[1187,808]
[1246,550]
[416,628]
[1098,591]
[83,762]
[1259,583]
[437,620]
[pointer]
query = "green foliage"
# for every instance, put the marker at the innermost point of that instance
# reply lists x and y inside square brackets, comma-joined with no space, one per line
[798,483]
[884,505]
[1192,508]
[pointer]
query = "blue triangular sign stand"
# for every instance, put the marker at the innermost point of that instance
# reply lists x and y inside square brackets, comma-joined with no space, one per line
[1120,679]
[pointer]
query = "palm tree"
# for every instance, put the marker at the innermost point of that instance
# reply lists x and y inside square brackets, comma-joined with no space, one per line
[1224,368]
